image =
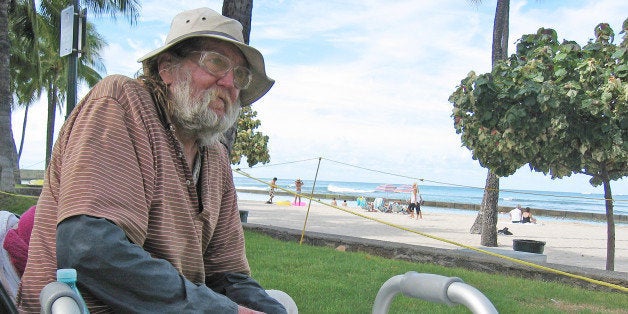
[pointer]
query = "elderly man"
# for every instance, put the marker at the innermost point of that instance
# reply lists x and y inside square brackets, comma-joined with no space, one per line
[139,195]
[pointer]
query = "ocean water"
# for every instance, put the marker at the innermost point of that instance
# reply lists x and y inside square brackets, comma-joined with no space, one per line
[549,200]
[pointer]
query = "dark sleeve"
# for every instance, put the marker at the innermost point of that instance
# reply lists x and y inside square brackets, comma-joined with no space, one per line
[124,276]
[245,291]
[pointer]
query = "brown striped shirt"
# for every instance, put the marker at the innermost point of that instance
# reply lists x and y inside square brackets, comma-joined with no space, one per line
[115,158]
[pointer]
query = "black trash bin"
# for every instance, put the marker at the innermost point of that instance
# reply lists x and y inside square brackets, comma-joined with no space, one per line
[532,246]
[244,214]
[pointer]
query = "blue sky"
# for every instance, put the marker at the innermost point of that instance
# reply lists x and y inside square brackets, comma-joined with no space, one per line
[363,82]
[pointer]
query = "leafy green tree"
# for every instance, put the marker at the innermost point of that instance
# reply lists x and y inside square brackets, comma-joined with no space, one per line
[242,140]
[558,107]
[486,220]
[249,143]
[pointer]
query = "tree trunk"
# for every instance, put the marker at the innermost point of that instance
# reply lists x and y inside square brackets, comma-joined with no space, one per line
[488,211]
[19,151]
[9,169]
[486,221]
[52,106]
[500,31]
[241,11]
[476,228]
[610,226]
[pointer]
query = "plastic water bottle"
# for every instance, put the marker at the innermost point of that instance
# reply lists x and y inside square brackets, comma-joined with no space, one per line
[68,276]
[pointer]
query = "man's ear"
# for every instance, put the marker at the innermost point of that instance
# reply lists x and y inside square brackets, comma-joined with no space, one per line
[164,65]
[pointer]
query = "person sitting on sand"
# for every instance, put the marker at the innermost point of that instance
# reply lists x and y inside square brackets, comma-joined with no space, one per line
[515,214]
[370,207]
[333,202]
[527,216]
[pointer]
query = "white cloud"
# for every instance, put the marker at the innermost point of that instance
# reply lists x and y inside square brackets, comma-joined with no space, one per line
[367,82]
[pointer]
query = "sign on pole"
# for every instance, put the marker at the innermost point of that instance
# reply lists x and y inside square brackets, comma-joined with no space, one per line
[66,44]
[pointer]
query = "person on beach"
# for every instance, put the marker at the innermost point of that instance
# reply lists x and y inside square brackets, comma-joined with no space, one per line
[515,214]
[298,184]
[333,202]
[415,202]
[271,192]
[139,195]
[344,203]
[526,216]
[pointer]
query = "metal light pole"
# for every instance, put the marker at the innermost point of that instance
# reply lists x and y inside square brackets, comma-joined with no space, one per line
[73,23]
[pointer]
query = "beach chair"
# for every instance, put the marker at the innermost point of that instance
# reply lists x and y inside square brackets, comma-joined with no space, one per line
[398,208]
[361,202]
[378,204]
[434,288]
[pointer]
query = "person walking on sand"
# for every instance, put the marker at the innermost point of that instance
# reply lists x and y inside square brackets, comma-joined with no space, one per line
[415,202]
[298,184]
[271,193]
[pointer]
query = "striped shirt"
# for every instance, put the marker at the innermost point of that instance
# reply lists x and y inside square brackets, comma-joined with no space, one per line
[117,158]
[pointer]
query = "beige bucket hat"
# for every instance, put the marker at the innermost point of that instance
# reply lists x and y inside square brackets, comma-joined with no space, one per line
[205,22]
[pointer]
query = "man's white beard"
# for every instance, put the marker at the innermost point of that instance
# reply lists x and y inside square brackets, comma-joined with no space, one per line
[193,117]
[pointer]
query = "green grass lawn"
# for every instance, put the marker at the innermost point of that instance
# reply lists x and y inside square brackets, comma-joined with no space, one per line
[17,204]
[323,280]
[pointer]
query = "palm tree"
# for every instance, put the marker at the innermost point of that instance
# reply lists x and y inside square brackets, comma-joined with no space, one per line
[486,221]
[8,155]
[25,86]
[54,68]
[46,62]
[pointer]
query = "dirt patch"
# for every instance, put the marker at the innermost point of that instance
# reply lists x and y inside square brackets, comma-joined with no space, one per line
[567,307]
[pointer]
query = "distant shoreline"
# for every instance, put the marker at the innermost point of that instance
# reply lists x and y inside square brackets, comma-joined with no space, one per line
[560,214]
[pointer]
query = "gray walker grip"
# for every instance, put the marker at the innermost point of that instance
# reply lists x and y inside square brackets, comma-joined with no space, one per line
[433,288]
[58,297]
[428,287]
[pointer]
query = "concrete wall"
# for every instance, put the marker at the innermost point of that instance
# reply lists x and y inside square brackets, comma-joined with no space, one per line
[27,174]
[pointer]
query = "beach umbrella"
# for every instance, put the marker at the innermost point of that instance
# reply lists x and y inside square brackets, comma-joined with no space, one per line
[386,188]
[404,188]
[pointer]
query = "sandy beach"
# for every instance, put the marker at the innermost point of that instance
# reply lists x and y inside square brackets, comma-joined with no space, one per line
[568,242]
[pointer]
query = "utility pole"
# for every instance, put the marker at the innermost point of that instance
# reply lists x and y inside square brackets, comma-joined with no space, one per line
[72,40]
[73,23]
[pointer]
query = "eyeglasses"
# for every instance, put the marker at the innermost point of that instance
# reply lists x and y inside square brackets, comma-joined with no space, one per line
[219,65]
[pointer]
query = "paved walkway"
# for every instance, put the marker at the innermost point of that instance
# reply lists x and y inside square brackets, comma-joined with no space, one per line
[574,243]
